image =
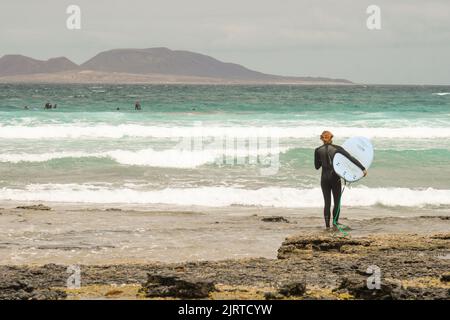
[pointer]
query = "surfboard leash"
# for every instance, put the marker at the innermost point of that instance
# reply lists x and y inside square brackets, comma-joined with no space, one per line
[339,226]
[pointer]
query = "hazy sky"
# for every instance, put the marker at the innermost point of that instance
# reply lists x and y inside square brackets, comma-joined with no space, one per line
[287,37]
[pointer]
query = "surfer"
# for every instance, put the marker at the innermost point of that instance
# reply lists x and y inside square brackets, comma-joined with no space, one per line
[330,182]
[137,106]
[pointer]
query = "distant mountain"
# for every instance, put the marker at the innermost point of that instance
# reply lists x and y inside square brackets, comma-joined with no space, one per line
[166,61]
[151,65]
[178,62]
[20,65]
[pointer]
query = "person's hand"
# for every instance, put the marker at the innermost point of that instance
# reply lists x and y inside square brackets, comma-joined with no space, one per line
[365,173]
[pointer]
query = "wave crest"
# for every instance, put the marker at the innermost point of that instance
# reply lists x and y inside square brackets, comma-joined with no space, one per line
[142,131]
[170,158]
[226,196]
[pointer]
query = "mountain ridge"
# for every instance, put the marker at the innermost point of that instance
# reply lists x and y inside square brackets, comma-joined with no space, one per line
[16,64]
[170,65]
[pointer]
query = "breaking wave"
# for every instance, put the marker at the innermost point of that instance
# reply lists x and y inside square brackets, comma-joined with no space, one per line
[225,196]
[61,131]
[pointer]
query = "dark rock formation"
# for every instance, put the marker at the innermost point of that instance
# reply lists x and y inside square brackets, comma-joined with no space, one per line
[35,207]
[294,245]
[389,290]
[435,217]
[445,277]
[357,287]
[441,236]
[270,295]
[275,219]
[295,289]
[176,287]
[20,291]
[13,289]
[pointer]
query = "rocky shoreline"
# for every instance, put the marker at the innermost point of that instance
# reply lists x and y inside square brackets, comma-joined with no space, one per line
[308,266]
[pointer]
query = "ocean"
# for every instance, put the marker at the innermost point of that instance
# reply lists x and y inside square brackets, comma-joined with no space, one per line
[212,146]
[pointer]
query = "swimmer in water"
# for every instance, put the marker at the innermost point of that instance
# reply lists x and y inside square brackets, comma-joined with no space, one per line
[137,106]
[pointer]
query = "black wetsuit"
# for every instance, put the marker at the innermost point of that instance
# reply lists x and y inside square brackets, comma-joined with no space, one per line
[330,181]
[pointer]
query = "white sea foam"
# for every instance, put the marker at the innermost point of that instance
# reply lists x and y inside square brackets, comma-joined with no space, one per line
[43,157]
[170,158]
[441,93]
[226,196]
[61,131]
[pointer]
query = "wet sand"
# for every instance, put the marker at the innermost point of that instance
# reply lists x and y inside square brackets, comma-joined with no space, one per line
[245,257]
[86,234]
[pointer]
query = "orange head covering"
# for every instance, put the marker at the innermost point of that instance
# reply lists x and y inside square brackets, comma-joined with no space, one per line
[326,137]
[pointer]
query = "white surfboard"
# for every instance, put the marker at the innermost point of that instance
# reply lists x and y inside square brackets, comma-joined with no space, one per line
[359,147]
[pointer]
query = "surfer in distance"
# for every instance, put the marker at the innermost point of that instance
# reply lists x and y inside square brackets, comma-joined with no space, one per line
[330,182]
[137,106]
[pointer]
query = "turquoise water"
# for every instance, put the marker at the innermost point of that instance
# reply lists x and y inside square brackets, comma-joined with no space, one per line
[194,145]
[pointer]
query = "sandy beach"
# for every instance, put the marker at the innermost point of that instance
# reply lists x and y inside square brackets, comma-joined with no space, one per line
[241,251]
[100,234]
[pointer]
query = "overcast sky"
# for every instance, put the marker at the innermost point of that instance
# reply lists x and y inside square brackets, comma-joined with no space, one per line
[287,37]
